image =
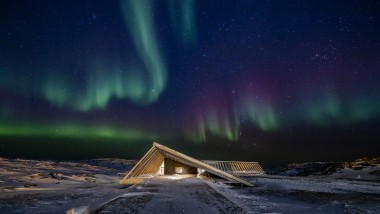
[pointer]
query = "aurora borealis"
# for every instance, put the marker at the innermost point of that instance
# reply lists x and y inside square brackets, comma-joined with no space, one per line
[263,77]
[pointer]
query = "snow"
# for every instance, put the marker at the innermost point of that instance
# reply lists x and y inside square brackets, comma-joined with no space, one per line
[30,186]
[43,186]
[364,173]
[281,194]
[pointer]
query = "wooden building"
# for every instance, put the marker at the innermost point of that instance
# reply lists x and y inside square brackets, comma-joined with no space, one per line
[161,160]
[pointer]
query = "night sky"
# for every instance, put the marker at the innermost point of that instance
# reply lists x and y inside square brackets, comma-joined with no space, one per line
[270,81]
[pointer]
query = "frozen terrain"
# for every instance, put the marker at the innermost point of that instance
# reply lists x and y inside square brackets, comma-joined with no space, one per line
[29,186]
[34,186]
[278,194]
[172,194]
[361,169]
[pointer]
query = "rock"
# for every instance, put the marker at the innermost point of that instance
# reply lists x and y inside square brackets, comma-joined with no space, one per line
[7,189]
[55,175]
[30,185]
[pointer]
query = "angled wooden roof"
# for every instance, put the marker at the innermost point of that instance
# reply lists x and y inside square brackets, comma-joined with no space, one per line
[152,160]
[237,167]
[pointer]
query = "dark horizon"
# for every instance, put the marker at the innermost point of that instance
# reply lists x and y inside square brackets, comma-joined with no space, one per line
[343,145]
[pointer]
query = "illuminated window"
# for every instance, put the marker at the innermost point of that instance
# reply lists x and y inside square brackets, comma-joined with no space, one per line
[178,170]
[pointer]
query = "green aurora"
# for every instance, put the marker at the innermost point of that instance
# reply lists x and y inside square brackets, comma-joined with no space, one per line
[180,72]
[73,131]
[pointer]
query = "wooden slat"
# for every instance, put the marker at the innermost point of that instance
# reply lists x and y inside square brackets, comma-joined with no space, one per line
[246,167]
[239,167]
[138,164]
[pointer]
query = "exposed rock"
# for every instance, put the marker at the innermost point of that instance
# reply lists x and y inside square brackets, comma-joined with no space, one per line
[30,185]
[324,168]
[56,175]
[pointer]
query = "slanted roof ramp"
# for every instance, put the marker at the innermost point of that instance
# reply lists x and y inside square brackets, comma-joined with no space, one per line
[152,160]
[237,167]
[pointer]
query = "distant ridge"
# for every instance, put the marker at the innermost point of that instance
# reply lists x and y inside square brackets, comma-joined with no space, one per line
[365,165]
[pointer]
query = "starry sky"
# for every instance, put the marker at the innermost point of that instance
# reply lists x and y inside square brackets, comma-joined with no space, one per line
[271,81]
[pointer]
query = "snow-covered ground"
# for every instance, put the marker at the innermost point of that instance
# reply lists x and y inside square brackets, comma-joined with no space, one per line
[361,169]
[322,187]
[30,186]
[36,186]
[279,194]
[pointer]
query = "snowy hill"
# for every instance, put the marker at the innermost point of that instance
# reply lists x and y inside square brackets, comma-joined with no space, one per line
[363,168]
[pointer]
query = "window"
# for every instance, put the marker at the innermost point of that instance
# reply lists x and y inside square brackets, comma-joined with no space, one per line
[178,170]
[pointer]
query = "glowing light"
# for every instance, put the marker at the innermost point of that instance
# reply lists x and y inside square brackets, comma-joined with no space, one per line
[123,84]
[214,118]
[332,109]
[196,132]
[55,90]
[182,16]
[73,131]
[220,125]
[262,114]
[107,79]
[326,111]
[240,75]
[139,22]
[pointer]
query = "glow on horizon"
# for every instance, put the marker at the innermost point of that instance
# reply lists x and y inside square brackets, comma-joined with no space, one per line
[74,131]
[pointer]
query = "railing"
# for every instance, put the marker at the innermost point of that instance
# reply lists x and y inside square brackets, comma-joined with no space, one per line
[236,167]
